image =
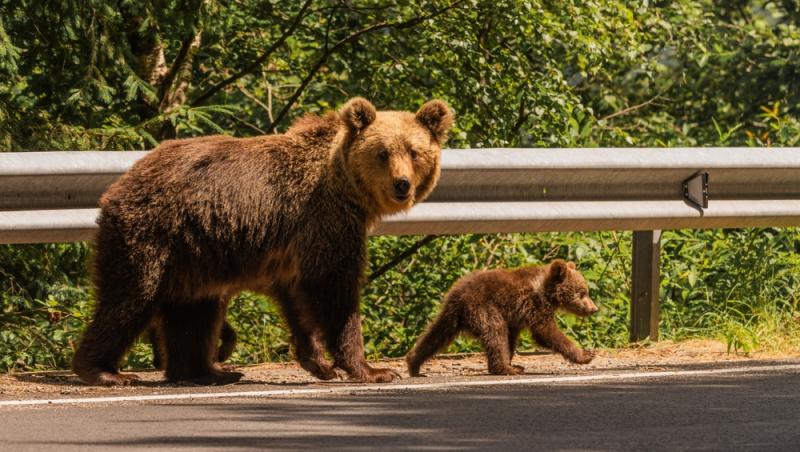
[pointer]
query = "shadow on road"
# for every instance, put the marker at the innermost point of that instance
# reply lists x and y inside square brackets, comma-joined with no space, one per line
[728,412]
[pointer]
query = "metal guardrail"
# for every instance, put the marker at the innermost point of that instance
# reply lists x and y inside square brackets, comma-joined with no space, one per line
[52,197]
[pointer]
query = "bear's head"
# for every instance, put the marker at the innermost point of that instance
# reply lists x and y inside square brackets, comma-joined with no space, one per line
[566,288]
[394,156]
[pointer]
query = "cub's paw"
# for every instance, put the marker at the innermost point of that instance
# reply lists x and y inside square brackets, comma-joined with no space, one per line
[518,370]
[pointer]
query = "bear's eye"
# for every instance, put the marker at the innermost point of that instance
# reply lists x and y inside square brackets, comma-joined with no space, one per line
[413,154]
[383,155]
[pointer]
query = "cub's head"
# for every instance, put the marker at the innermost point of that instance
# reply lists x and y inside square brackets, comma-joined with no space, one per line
[393,156]
[566,288]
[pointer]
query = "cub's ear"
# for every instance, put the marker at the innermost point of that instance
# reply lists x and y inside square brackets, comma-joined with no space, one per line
[571,265]
[557,272]
[436,116]
[358,113]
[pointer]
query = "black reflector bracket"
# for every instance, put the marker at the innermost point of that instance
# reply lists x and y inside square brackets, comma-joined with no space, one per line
[695,190]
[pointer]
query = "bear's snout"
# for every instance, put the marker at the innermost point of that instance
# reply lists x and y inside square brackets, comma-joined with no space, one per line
[401,188]
[588,306]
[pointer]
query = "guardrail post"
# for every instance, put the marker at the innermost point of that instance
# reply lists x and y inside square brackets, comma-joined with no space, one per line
[645,287]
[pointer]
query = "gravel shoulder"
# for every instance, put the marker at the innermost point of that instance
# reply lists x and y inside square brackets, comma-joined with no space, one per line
[655,357]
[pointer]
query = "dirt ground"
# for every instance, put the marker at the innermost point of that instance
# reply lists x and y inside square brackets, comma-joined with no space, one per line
[658,356]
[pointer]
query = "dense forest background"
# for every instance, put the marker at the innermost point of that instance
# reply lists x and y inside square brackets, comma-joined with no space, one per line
[125,74]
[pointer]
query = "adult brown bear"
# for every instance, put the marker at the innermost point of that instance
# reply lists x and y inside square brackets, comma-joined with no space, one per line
[198,220]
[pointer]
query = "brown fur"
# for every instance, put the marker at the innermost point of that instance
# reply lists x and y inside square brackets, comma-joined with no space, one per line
[157,337]
[495,305]
[198,220]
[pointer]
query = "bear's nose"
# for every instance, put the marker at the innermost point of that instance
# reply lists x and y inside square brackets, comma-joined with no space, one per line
[401,187]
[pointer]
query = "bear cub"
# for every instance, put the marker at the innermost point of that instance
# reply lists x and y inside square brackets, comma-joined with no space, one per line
[495,305]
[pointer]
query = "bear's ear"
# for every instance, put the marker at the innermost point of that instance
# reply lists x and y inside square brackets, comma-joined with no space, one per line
[436,116]
[557,272]
[358,113]
[571,265]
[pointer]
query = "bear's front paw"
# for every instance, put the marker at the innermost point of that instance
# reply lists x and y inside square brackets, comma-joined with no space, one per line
[413,366]
[320,369]
[224,367]
[584,357]
[507,370]
[114,379]
[329,373]
[373,375]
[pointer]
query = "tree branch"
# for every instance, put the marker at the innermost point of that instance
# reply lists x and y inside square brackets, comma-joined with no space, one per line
[341,43]
[630,109]
[169,78]
[522,116]
[401,257]
[255,64]
[175,92]
[251,96]
[249,125]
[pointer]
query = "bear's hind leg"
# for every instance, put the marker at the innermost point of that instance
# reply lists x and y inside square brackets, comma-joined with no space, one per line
[227,338]
[111,332]
[155,335]
[192,330]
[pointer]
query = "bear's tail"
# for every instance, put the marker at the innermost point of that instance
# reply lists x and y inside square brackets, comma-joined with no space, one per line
[439,335]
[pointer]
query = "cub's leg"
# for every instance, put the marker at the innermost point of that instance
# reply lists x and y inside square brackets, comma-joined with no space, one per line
[191,330]
[495,343]
[548,335]
[440,333]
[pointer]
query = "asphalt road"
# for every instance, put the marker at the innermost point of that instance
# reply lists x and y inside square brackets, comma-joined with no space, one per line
[741,411]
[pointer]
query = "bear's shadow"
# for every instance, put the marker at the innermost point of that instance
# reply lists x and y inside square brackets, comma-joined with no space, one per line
[68,379]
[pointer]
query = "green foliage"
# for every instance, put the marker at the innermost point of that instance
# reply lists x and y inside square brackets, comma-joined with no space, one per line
[738,285]
[123,74]
[44,300]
